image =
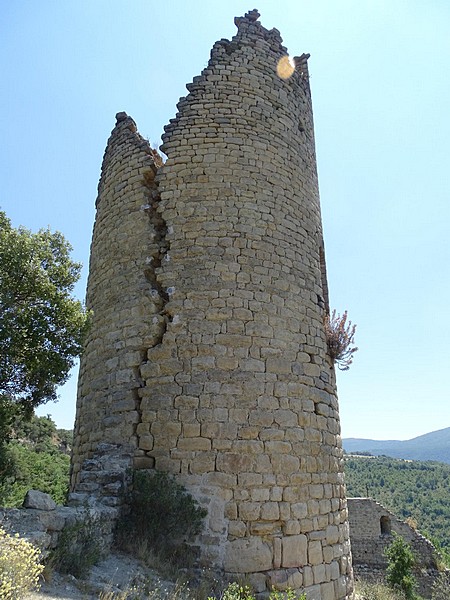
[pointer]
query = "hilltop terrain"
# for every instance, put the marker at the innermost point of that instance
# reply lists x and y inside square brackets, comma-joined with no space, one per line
[431,446]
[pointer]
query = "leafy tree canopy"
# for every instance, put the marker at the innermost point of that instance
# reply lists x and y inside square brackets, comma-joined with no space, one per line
[41,325]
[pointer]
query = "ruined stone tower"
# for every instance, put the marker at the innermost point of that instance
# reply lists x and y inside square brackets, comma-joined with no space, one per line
[207,355]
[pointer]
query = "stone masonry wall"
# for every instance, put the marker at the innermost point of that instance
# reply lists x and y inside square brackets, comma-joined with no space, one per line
[207,356]
[127,308]
[371,530]
[40,521]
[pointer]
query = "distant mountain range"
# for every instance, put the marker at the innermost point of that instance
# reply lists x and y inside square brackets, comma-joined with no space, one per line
[431,446]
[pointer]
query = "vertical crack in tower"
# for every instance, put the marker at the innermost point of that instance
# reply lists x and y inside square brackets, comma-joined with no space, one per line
[159,255]
[210,361]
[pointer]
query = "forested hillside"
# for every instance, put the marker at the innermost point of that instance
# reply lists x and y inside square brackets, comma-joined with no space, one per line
[37,458]
[416,490]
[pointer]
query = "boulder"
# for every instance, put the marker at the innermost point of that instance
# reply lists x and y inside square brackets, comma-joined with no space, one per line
[39,500]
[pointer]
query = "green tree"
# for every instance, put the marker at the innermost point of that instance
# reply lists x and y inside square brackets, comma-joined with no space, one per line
[41,325]
[400,564]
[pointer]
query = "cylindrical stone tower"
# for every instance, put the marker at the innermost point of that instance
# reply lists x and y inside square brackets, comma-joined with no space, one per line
[207,356]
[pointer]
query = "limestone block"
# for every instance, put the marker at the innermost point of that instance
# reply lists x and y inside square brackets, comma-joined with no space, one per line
[248,446]
[319,573]
[262,418]
[299,510]
[52,520]
[146,442]
[285,511]
[342,587]
[194,443]
[291,527]
[263,464]
[278,365]
[285,463]
[231,462]
[186,401]
[203,463]
[327,591]
[294,551]
[334,570]
[257,582]
[328,554]
[249,511]
[191,430]
[332,535]
[315,556]
[265,529]
[237,529]
[247,555]
[286,418]
[163,463]
[142,428]
[316,491]
[324,506]
[270,511]
[221,480]
[228,363]
[276,494]
[249,433]
[278,447]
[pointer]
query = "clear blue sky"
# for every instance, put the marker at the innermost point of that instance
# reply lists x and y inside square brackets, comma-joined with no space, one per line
[381,95]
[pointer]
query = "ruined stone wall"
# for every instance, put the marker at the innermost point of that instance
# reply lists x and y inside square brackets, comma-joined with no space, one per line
[207,356]
[371,529]
[127,308]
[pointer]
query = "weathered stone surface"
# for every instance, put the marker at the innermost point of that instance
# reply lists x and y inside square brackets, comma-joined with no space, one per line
[294,551]
[372,527]
[207,354]
[247,555]
[39,500]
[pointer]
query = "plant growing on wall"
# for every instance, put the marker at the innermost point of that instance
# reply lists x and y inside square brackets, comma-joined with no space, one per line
[340,335]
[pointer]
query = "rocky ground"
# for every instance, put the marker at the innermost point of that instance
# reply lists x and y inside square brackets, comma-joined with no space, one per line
[110,579]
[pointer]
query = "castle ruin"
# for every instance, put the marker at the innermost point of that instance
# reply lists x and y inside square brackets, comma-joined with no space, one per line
[207,355]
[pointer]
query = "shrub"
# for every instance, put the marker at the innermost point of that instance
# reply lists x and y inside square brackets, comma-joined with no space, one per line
[400,564]
[237,591]
[79,547]
[160,519]
[376,591]
[340,337]
[19,566]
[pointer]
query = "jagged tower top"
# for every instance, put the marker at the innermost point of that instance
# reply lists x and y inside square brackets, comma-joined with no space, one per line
[207,355]
[251,16]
